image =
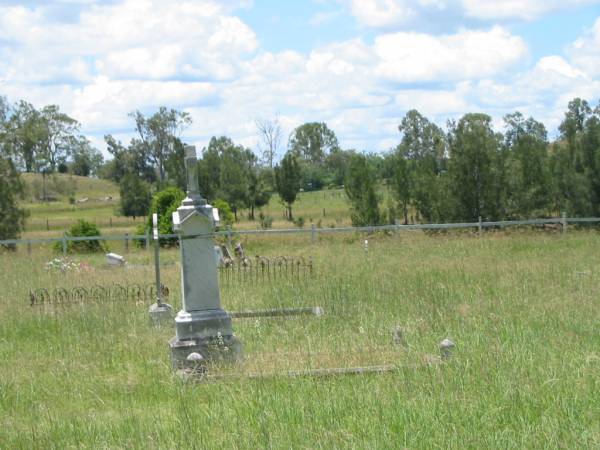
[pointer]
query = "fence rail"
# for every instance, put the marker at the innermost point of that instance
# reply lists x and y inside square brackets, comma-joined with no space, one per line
[313,231]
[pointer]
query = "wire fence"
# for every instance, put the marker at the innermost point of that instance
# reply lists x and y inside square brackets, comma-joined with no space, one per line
[562,223]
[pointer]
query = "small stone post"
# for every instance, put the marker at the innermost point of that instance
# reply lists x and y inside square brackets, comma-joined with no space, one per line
[563,222]
[64,244]
[201,326]
[159,312]
[313,233]
[446,347]
[479,226]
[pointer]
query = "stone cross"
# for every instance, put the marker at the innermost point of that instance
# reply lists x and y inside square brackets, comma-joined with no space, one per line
[191,168]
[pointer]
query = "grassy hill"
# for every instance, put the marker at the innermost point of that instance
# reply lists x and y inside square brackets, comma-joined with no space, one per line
[96,200]
[72,198]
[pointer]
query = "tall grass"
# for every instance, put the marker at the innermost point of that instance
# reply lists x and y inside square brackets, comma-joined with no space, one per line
[523,310]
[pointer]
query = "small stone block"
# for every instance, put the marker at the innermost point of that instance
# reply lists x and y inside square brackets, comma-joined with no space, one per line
[160,314]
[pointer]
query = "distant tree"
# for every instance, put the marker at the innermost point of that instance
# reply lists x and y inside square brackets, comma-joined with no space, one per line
[259,190]
[86,160]
[575,160]
[25,135]
[314,176]
[157,134]
[312,142]
[529,187]
[337,165]
[175,165]
[400,181]
[126,160]
[288,177]
[418,180]
[591,157]
[474,168]
[224,171]
[4,112]
[360,187]
[270,133]
[59,130]
[12,218]
[135,196]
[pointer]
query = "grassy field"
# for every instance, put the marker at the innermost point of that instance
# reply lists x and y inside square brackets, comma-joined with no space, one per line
[522,308]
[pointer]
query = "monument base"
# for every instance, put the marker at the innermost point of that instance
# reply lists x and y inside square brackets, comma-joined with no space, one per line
[214,350]
[204,324]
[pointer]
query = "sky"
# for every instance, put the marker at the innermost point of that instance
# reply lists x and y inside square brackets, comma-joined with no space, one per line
[357,65]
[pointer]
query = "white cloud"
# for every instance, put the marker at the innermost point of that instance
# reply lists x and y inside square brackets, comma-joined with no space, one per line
[113,58]
[410,57]
[134,38]
[517,9]
[407,13]
[585,51]
[382,13]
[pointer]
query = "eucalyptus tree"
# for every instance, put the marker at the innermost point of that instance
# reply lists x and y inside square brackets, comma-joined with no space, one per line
[158,132]
[529,183]
[417,166]
[12,217]
[360,187]
[312,142]
[288,178]
[57,136]
[270,134]
[474,166]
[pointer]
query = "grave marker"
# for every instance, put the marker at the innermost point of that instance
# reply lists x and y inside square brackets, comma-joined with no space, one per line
[201,326]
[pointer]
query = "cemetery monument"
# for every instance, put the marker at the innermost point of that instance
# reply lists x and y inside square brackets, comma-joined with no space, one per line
[201,326]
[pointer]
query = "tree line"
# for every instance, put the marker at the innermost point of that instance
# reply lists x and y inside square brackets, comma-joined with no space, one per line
[464,172]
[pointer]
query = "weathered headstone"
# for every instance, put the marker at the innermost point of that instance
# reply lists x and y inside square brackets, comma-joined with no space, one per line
[201,326]
[115,260]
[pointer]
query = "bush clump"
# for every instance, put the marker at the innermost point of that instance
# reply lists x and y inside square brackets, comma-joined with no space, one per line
[82,228]
[226,216]
[164,203]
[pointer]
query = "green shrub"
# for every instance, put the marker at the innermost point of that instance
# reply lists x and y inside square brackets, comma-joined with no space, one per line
[265,221]
[82,228]
[165,203]
[299,222]
[226,216]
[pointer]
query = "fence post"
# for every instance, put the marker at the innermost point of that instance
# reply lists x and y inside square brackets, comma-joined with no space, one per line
[313,233]
[64,244]
[563,221]
[147,238]
[228,236]
[479,226]
[126,242]
[47,225]
[29,247]
[110,221]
